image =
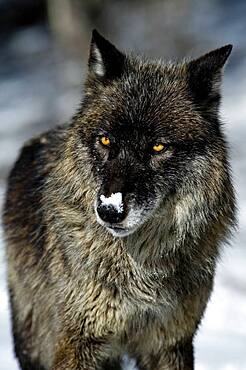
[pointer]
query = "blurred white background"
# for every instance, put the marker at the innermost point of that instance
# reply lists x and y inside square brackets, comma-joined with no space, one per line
[44,48]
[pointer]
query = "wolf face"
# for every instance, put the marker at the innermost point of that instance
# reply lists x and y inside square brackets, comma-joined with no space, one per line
[151,130]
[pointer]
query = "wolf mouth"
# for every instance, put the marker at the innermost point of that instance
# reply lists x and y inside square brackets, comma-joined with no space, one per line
[116,228]
[118,231]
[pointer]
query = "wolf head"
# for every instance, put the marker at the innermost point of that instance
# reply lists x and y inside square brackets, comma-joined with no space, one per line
[153,135]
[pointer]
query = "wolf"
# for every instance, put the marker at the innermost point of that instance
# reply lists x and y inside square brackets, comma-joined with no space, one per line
[115,221]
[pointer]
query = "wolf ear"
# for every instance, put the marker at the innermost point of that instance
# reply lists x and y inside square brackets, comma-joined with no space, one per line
[105,61]
[204,76]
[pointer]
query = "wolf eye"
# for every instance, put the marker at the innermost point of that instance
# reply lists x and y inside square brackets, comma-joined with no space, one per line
[104,140]
[159,147]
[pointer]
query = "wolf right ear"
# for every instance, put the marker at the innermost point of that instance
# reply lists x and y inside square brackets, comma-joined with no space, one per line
[105,61]
[204,75]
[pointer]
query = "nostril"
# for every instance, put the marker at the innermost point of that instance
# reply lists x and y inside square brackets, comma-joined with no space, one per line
[111,209]
[110,214]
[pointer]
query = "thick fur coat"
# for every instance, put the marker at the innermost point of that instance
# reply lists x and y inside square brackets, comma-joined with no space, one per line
[89,283]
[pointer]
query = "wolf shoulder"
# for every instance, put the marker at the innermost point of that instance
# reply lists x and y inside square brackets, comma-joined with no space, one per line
[35,159]
[22,213]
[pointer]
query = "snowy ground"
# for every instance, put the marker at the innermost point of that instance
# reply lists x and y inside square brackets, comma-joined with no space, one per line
[221,341]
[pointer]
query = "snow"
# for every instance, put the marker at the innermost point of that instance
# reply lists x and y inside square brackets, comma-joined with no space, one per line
[114,200]
[128,363]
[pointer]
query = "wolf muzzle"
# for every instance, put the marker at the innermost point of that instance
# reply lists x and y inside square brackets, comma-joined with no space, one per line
[111,209]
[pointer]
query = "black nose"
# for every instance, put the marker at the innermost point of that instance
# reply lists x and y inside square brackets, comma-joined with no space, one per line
[111,214]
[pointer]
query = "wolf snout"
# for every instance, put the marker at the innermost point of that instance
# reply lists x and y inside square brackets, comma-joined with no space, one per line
[111,209]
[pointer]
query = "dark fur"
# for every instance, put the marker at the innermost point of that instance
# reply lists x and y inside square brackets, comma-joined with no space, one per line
[82,297]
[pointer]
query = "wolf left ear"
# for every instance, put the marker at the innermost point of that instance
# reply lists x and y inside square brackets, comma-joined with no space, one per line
[204,75]
[105,61]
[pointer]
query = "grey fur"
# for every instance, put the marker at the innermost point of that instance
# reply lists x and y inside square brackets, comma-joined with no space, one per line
[81,297]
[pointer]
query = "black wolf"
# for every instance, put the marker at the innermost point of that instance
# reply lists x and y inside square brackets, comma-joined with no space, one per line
[114,222]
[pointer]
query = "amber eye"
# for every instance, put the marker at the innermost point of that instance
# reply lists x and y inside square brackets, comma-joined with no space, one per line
[105,140]
[159,147]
